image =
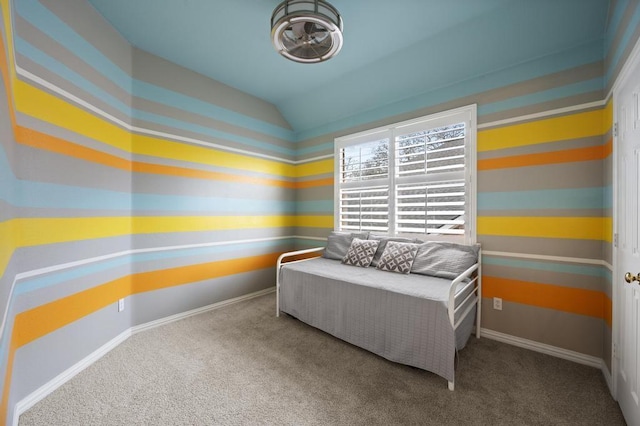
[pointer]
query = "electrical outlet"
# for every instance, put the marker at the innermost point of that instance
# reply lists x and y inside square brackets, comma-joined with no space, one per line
[120,305]
[497,303]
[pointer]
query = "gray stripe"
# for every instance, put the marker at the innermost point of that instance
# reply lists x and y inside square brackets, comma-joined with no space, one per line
[71,286]
[583,249]
[621,29]
[315,177]
[543,213]
[314,232]
[41,256]
[559,79]
[319,193]
[64,348]
[549,146]
[6,211]
[69,87]
[567,102]
[544,277]
[607,252]
[170,239]
[70,59]
[607,354]
[74,285]
[172,185]
[45,166]
[86,21]
[173,300]
[623,58]
[583,174]
[579,333]
[163,73]
[210,123]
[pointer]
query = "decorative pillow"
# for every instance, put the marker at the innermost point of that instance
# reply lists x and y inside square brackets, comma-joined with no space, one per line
[398,257]
[338,243]
[383,242]
[360,252]
[444,259]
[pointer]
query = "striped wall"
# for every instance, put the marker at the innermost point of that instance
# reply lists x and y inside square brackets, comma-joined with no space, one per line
[544,186]
[126,176]
[122,176]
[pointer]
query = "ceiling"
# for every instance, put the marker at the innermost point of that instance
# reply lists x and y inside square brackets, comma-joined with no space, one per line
[393,49]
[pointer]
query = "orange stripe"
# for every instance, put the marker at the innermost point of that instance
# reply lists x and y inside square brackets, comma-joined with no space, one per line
[41,320]
[608,311]
[554,157]
[607,148]
[314,183]
[43,141]
[567,299]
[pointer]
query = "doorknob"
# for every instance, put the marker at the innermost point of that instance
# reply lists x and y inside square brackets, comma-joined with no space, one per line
[629,277]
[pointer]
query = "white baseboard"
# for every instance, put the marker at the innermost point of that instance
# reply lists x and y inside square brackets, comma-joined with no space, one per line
[49,387]
[62,378]
[543,348]
[182,315]
[608,378]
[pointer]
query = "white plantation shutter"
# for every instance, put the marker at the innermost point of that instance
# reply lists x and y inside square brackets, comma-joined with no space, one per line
[365,209]
[414,177]
[437,208]
[430,181]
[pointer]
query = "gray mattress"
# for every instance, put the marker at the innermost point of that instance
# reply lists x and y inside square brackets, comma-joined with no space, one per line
[402,318]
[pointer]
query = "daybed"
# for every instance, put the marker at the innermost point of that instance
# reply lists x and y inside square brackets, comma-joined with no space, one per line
[416,307]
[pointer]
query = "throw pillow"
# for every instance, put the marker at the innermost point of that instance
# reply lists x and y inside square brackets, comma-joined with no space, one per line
[360,252]
[383,242]
[398,257]
[338,243]
[444,259]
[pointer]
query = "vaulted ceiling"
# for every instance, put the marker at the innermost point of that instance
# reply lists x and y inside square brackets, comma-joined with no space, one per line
[393,50]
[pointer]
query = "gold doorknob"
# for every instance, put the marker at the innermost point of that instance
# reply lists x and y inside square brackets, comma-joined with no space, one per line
[629,277]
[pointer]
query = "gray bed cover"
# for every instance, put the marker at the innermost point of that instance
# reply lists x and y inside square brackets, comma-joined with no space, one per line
[402,318]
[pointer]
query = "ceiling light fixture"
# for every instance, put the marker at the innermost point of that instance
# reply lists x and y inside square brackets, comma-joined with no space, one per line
[306,30]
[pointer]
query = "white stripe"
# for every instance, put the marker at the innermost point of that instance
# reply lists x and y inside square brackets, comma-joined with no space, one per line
[542,114]
[309,238]
[598,262]
[50,86]
[54,268]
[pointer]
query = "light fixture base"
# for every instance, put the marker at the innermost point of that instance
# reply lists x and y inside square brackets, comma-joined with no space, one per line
[306,31]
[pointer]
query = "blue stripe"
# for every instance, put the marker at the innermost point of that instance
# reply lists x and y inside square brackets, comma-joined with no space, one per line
[318,206]
[23,193]
[41,58]
[543,96]
[47,22]
[327,146]
[624,42]
[583,55]
[51,279]
[574,198]
[566,268]
[614,22]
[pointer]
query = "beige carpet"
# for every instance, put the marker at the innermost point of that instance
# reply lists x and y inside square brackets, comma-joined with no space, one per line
[240,365]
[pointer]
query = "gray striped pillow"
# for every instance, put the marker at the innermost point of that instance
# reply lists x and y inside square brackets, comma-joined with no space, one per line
[338,243]
[444,259]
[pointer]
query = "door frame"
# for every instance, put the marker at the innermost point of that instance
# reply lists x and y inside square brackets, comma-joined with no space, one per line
[632,63]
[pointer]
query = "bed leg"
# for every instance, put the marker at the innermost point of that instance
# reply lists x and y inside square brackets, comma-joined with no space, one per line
[451,385]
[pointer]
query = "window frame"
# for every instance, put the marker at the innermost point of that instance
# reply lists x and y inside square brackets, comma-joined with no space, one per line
[466,114]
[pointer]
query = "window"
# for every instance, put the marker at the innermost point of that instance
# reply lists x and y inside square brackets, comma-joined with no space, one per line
[412,178]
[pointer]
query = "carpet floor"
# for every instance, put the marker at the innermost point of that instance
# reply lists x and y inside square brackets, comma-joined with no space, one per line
[240,365]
